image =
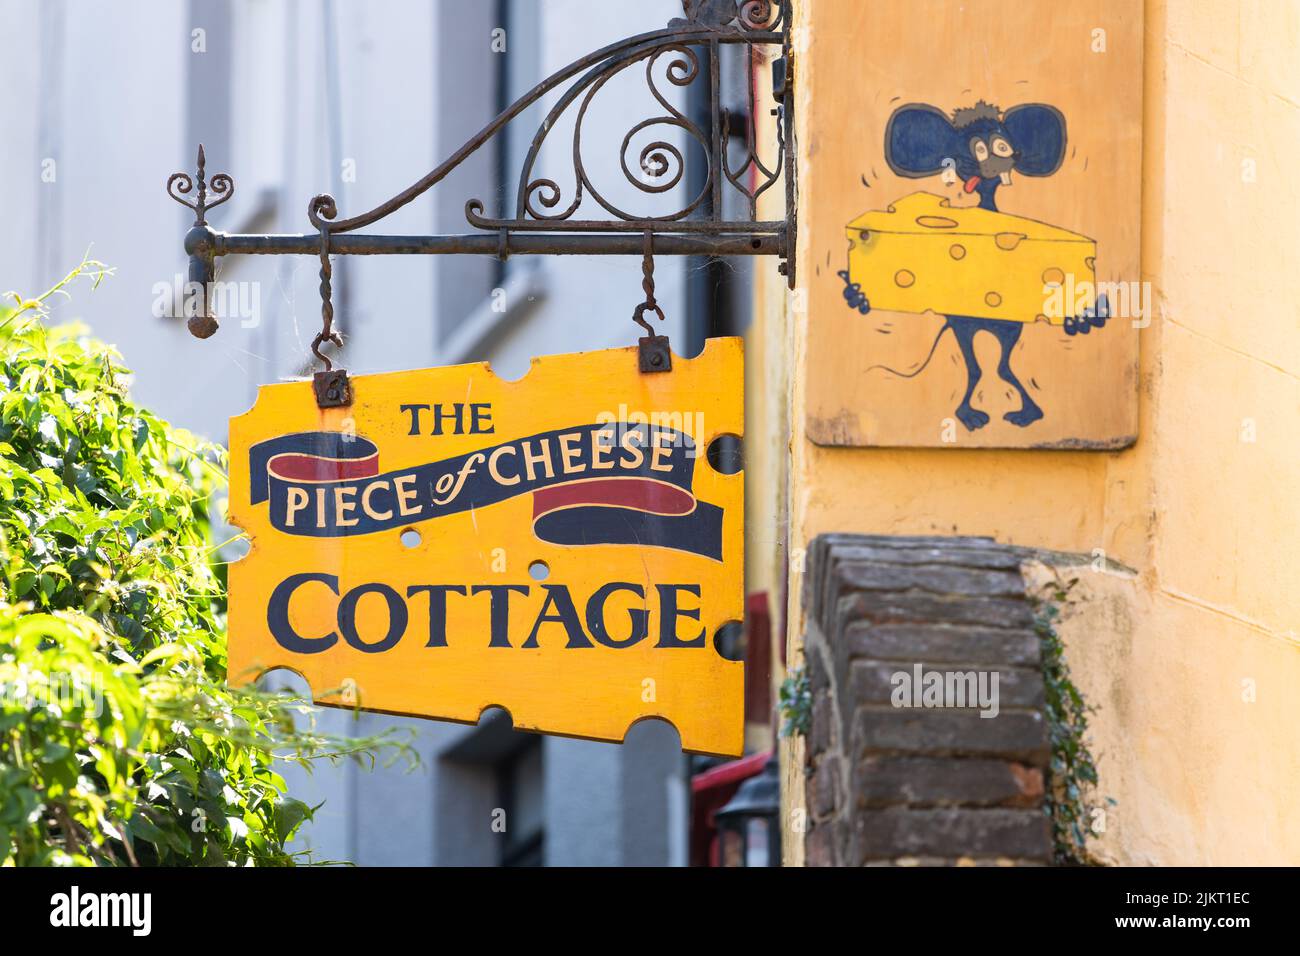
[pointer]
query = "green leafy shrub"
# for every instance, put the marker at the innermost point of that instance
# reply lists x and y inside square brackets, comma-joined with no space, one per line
[119,742]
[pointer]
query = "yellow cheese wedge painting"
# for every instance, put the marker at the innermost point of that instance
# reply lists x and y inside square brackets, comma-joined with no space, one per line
[924,255]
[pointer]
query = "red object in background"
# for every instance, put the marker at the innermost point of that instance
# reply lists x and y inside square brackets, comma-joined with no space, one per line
[758,660]
[710,792]
[712,789]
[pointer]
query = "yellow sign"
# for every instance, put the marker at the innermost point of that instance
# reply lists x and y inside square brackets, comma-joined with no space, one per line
[923,254]
[559,546]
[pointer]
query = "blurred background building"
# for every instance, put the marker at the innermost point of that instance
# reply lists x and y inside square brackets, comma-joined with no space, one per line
[102,101]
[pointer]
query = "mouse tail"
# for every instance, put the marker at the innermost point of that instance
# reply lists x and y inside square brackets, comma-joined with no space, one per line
[933,346]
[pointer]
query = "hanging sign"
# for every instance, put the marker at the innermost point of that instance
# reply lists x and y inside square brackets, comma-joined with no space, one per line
[559,546]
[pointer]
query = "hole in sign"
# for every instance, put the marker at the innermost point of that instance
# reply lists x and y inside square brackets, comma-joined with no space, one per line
[539,570]
[726,454]
[729,641]
[411,538]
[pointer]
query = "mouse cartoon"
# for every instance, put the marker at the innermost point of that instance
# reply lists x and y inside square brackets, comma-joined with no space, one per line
[984,149]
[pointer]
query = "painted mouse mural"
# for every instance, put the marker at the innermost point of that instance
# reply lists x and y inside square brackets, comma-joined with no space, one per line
[984,149]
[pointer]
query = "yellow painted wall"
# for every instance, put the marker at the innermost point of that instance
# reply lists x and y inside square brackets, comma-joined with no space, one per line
[1203,507]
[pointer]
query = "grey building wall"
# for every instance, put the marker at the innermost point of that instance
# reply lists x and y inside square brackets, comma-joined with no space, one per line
[294,98]
[600,804]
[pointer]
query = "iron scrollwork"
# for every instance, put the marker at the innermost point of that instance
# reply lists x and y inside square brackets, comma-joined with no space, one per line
[710,24]
[542,222]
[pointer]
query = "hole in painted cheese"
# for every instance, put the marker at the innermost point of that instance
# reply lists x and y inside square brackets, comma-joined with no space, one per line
[936,222]
[957,251]
[1006,241]
[904,279]
[993,299]
[1053,276]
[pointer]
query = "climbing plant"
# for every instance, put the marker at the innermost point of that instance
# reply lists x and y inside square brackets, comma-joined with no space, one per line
[1072,773]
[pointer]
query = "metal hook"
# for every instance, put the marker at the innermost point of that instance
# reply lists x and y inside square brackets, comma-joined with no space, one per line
[654,352]
[332,387]
[326,333]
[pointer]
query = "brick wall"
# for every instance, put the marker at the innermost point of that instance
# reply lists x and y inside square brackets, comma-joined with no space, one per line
[895,784]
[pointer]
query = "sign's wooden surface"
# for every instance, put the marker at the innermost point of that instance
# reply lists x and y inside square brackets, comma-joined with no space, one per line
[974,225]
[559,546]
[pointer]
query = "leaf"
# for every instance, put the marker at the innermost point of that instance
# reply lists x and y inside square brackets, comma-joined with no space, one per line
[167,653]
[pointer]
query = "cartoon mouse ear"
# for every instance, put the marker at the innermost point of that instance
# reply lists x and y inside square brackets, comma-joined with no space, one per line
[1038,135]
[918,138]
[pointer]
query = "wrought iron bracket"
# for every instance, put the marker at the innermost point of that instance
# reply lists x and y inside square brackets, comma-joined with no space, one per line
[545,218]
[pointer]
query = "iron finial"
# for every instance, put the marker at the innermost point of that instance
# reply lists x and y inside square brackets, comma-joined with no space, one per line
[180,185]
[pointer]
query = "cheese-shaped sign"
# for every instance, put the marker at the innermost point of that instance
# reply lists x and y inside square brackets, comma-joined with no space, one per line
[922,254]
[560,546]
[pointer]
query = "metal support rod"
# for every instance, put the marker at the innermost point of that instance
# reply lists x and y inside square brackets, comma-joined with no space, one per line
[488,244]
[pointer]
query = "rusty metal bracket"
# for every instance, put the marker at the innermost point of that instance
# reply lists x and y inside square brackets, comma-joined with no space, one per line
[654,354]
[545,221]
[333,388]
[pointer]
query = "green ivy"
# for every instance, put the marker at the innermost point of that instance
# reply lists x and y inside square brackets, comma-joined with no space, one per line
[1072,774]
[119,741]
[796,703]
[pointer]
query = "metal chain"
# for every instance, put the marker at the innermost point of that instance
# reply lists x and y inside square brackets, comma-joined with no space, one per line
[326,333]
